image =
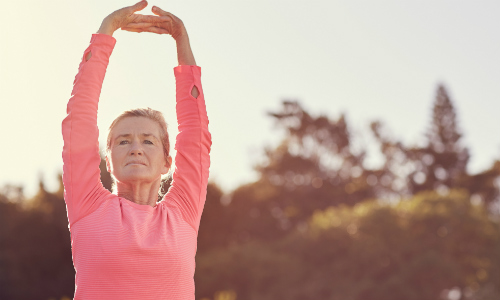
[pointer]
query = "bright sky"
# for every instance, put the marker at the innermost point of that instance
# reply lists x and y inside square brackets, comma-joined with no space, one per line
[374,60]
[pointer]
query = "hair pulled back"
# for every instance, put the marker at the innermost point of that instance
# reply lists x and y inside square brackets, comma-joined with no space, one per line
[151,114]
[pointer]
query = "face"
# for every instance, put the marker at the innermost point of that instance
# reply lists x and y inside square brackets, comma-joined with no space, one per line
[136,152]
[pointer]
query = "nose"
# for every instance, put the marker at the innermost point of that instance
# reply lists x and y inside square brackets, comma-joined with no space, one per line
[136,149]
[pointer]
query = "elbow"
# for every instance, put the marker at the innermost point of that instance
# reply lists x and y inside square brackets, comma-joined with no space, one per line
[207,138]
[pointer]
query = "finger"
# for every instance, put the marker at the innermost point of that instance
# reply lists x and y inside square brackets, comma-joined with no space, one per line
[139,25]
[152,29]
[150,19]
[157,30]
[160,12]
[138,6]
[132,29]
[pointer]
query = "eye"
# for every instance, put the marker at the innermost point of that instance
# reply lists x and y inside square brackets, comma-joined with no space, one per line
[148,142]
[123,142]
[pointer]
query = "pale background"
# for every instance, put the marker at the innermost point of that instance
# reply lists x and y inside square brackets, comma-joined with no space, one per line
[370,59]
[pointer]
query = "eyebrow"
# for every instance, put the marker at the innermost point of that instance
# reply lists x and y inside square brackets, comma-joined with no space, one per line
[127,135]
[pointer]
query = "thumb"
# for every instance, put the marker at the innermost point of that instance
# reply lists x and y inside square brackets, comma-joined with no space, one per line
[158,11]
[139,6]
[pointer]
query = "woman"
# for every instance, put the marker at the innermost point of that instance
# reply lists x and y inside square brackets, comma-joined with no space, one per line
[126,245]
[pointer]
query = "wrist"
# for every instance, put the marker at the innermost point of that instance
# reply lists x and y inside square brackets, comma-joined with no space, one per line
[182,43]
[182,37]
[106,28]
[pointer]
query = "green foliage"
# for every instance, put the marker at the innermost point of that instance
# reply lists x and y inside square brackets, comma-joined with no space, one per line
[413,250]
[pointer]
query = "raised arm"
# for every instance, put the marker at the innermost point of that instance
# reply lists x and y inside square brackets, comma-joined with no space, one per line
[83,189]
[81,174]
[193,143]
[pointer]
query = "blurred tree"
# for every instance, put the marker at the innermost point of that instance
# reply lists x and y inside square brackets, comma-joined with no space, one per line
[485,186]
[317,153]
[414,250]
[10,212]
[441,163]
[215,223]
[35,256]
[308,228]
[456,239]
[317,165]
[106,179]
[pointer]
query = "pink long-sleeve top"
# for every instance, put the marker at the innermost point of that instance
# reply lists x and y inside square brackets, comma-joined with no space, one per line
[124,250]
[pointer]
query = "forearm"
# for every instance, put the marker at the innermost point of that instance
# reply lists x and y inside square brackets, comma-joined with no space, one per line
[106,27]
[184,53]
[185,56]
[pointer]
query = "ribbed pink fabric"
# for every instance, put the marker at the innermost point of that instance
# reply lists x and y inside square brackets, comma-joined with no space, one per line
[123,250]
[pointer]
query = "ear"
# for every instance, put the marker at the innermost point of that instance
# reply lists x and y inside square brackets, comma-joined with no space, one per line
[108,167]
[168,164]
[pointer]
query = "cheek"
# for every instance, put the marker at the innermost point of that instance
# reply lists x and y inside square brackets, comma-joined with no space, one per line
[116,158]
[160,157]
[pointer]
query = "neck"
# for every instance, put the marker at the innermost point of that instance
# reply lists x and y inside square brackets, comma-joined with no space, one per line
[143,193]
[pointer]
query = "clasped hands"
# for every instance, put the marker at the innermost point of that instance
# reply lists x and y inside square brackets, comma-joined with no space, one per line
[125,18]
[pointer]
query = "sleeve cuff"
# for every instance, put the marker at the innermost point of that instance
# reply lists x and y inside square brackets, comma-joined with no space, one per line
[184,70]
[103,40]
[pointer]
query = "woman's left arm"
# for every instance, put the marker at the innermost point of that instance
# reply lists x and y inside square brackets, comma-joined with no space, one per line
[192,161]
[193,143]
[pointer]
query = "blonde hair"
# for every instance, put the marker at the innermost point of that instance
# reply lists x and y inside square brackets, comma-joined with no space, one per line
[151,114]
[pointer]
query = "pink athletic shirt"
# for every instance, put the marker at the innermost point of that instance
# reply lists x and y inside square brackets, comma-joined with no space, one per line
[124,250]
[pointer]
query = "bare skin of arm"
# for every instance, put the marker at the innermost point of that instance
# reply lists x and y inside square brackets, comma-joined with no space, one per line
[172,25]
[163,23]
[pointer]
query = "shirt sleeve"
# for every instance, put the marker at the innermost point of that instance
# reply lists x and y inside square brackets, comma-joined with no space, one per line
[192,161]
[83,189]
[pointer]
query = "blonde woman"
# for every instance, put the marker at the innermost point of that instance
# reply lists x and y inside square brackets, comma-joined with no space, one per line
[125,244]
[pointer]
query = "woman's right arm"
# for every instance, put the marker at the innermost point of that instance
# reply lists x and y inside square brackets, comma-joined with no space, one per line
[81,173]
[83,190]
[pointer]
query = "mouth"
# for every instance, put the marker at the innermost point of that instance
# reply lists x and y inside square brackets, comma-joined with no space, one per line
[135,163]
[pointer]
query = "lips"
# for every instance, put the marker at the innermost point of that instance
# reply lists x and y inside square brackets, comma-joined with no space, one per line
[135,162]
